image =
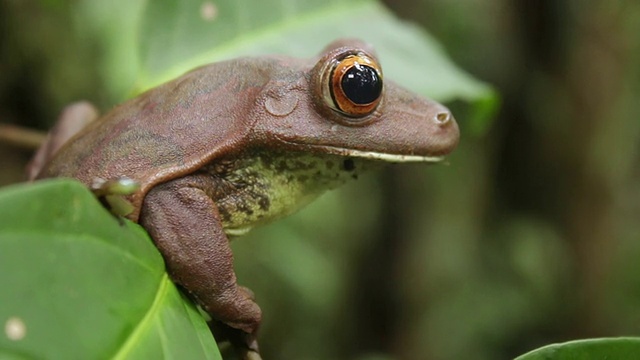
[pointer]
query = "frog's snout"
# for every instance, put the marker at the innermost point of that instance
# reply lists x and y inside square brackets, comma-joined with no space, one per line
[443,132]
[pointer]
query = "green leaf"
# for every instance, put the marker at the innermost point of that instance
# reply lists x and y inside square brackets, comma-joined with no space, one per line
[149,42]
[77,283]
[621,348]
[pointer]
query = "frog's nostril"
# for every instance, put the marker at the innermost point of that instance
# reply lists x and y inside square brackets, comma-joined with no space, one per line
[443,117]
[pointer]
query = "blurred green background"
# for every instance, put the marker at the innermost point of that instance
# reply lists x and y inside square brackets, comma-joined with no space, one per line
[528,235]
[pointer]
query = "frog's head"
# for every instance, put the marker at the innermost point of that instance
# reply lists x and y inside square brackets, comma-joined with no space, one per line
[341,105]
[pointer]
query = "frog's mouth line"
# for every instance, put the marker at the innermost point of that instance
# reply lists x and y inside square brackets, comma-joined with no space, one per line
[394,158]
[390,157]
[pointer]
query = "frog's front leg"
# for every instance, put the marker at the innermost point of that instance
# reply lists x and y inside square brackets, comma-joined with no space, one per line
[185,226]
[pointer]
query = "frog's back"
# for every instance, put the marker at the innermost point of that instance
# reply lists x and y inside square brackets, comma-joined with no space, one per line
[165,133]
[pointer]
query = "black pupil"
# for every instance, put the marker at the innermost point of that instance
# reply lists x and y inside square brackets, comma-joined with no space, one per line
[361,84]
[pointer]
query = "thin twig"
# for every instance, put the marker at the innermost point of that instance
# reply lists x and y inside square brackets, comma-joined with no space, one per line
[21,137]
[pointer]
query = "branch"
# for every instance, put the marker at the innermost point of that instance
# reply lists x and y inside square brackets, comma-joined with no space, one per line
[21,137]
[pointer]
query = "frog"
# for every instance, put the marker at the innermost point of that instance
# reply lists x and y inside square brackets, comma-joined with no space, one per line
[226,147]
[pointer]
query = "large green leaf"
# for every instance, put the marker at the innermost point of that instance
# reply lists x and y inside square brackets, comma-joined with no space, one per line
[149,42]
[622,348]
[78,283]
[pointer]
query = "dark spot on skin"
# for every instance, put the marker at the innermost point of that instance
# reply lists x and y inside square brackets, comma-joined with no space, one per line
[329,165]
[264,203]
[348,165]
[224,214]
[354,176]
[281,166]
[301,165]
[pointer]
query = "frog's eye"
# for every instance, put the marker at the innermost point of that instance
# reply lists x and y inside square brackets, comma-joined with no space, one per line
[354,85]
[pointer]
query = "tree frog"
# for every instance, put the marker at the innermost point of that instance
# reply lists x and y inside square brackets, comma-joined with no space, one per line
[235,144]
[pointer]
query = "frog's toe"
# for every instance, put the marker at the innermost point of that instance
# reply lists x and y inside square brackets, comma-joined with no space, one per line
[244,345]
[249,347]
[252,355]
[247,292]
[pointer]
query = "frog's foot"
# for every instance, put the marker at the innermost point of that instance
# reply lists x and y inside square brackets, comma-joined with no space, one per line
[241,334]
[244,345]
